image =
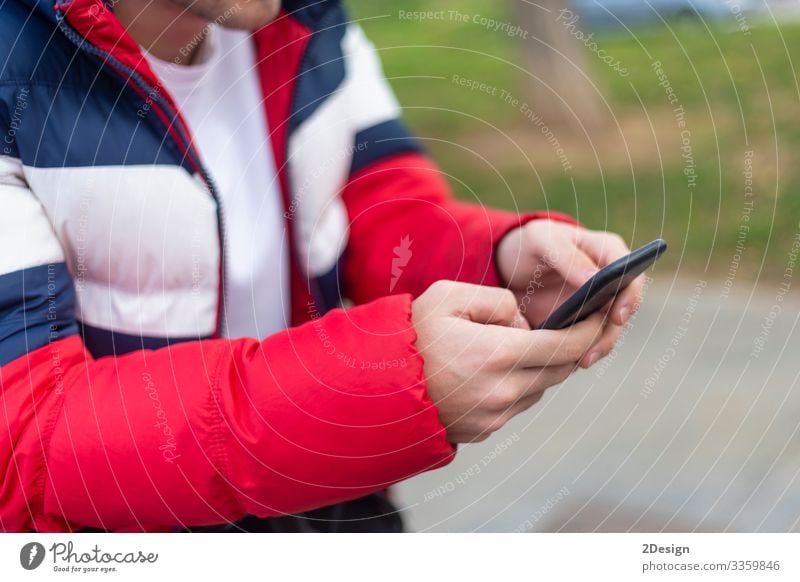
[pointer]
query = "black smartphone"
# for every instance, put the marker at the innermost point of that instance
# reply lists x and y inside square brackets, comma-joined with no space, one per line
[604,286]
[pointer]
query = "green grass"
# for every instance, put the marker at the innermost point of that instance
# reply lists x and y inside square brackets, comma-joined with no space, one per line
[740,93]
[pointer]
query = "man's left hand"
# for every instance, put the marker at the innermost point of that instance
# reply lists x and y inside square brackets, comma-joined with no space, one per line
[545,261]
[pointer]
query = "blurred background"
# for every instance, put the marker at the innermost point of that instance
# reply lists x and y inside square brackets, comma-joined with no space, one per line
[652,118]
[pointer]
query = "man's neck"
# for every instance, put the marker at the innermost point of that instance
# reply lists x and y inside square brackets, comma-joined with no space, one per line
[163,29]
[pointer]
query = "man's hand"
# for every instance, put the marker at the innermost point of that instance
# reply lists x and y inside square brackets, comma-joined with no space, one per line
[483,365]
[545,261]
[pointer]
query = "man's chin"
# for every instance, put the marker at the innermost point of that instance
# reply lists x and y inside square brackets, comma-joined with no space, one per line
[251,15]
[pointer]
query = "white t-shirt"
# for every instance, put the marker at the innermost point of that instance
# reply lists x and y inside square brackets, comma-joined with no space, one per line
[221,100]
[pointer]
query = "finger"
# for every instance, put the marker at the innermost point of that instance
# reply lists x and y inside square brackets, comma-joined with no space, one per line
[603,247]
[502,418]
[527,403]
[471,439]
[530,385]
[486,305]
[628,302]
[532,382]
[573,264]
[606,248]
[603,346]
[516,393]
[514,348]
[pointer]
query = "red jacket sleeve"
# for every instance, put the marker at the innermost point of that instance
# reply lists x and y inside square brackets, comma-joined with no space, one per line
[407,230]
[206,432]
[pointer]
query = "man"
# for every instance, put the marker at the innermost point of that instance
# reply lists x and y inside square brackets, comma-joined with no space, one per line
[188,191]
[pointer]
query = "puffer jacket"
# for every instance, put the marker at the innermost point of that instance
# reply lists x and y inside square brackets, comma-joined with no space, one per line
[121,407]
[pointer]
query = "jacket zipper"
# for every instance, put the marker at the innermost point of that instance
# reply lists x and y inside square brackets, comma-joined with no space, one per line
[187,148]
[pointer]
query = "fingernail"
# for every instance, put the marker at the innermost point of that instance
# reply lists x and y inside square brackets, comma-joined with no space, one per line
[592,359]
[625,313]
[589,273]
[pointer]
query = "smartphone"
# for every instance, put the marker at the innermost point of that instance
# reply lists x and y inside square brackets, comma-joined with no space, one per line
[604,286]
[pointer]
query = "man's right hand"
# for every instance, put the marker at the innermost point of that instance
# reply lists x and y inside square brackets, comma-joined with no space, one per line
[483,364]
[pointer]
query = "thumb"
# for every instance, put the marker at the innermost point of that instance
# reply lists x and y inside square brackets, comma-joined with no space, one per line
[574,265]
[491,306]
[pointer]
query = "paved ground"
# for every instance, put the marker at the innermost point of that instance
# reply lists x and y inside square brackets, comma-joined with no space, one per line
[684,428]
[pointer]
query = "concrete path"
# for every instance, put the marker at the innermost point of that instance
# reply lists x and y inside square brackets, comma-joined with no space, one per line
[693,424]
